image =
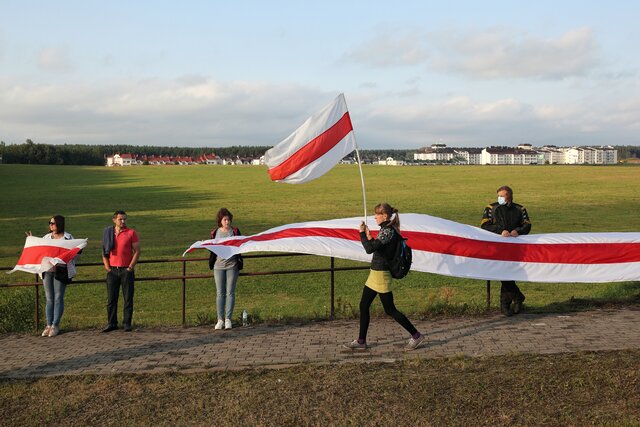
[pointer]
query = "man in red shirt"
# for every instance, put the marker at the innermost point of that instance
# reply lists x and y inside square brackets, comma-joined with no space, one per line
[120,253]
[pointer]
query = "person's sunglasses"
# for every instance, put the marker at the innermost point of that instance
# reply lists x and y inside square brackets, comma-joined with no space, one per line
[52,223]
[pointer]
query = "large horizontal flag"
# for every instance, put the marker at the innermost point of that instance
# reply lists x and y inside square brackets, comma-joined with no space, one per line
[453,249]
[315,147]
[40,255]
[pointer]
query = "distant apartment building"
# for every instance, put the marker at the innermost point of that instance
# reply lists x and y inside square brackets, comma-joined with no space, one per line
[523,154]
[469,156]
[510,156]
[435,153]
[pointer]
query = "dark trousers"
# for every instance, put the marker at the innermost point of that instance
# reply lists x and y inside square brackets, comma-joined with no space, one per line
[509,291]
[368,295]
[119,276]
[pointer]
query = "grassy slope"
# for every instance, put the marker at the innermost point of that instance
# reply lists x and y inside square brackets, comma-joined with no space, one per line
[566,389]
[173,206]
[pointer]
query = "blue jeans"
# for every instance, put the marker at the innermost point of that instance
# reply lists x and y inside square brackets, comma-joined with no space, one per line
[225,291]
[54,290]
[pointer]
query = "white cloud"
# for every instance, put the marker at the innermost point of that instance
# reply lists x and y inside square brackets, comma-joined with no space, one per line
[389,49]
[52,59]
[197,111]
[483,54]
[503,53]
[188,111]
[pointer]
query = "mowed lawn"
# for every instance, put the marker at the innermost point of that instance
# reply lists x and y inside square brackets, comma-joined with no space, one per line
[172,206]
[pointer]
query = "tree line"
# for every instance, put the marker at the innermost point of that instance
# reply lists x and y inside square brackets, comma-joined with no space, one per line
[82,154]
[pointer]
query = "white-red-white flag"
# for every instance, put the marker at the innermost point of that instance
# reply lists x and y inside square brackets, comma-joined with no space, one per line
[453,249]
[40,255]
[315,147]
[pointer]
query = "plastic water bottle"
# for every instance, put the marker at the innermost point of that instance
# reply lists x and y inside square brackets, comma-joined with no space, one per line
[245,318]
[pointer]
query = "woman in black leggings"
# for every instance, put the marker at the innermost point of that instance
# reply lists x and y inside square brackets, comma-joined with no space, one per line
[379,280]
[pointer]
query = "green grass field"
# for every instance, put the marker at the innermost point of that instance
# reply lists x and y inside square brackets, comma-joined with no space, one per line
[576,389]
[173,206]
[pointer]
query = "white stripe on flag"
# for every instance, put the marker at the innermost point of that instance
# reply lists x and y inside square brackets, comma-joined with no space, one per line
[40,255]
[452,249]
[315,147]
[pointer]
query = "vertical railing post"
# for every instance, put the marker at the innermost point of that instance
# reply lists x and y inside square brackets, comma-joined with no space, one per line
[184,293]
[333,288]
[37,310]
[488,294]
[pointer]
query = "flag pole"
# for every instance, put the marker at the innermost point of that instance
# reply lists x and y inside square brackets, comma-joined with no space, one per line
[364,195]
[355,146]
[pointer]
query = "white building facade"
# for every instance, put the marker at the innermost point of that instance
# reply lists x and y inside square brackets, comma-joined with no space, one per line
[524,154]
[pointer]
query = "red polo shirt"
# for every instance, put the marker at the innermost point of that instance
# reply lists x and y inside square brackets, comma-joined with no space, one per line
[122,252]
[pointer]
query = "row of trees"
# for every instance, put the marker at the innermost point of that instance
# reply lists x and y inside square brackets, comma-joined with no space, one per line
[82,154]
[627,152]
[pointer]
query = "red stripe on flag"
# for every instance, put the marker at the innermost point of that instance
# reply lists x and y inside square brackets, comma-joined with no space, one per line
[552,253]
[314,149]
[34,254]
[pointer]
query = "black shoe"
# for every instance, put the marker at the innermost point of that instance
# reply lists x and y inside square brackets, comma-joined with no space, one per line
[505,307]
[517,305]
[110,328]
[127,328]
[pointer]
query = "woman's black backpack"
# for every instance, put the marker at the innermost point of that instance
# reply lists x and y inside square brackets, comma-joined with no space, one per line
[400,262]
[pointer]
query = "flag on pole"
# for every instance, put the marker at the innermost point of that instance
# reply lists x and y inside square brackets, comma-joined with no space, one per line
[40,255]
[452,249]
[315,147]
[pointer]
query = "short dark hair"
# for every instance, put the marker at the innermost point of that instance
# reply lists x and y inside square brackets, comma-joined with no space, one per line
[508,190]
[116,213]
[221,214]
[59,220]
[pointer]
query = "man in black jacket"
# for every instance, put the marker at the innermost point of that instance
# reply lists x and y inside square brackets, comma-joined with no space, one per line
[509,220]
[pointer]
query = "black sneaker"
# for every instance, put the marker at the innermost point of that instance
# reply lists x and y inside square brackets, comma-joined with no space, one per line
[517,305]
[506,309]
[110,328]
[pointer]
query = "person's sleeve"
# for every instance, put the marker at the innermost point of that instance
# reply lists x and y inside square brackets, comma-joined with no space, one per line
[525,222]
[105,242]
[134,238]
[384,237]
[487,221]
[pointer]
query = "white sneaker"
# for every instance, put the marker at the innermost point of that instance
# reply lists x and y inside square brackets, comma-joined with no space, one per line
[227,324]
[355,345]
[45,333]
[220,324]
[54,331]
[414,343]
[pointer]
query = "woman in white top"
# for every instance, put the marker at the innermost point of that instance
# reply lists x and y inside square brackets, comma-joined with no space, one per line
[225,271]
[56,284]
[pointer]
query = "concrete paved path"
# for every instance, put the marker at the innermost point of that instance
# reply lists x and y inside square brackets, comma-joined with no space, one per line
[196,349]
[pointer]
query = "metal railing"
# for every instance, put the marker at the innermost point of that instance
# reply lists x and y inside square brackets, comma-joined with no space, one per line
[184,277]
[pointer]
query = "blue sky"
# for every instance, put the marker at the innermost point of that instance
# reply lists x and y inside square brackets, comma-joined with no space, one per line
[206,73]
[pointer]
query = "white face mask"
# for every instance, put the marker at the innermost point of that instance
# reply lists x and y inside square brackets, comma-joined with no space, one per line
[501,200]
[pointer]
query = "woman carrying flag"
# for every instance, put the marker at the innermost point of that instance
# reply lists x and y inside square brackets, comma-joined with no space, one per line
[379,281]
